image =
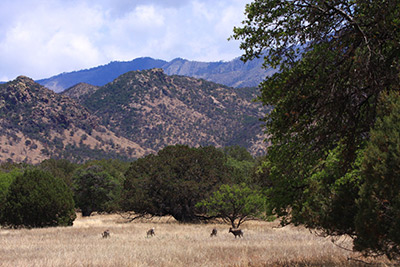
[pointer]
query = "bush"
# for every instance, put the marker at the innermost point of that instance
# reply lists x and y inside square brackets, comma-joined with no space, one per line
[37,199]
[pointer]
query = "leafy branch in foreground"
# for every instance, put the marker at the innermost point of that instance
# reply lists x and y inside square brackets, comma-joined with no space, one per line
[335,60]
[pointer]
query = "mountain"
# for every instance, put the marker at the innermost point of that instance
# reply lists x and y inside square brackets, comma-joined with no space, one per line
[138,113]
[36,123]
[100,75]
[233,73]
[154,109]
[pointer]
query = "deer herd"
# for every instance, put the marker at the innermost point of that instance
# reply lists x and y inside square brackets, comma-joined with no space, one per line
[214,231]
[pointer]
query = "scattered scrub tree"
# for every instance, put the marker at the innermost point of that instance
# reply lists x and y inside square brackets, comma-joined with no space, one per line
[235,204]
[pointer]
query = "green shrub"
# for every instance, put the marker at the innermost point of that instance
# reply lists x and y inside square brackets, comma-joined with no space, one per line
[37,199]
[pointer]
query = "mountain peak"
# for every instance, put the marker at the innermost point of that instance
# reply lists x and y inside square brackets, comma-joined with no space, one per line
[24,79]
[157,70]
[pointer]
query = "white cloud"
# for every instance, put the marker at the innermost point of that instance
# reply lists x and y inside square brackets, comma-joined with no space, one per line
[43,38]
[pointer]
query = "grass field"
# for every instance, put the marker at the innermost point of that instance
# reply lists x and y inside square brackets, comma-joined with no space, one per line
[173,245]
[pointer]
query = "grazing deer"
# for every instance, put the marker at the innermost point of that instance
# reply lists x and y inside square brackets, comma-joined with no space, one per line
[236,232]
[150,232]
[106,234]
[213,232]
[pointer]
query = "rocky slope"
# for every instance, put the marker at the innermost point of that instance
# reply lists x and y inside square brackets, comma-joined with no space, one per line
[154,110]
[138,113]
[36,123]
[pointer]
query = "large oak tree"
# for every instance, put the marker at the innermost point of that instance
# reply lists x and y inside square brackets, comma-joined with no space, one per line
[174,181]
[335,58]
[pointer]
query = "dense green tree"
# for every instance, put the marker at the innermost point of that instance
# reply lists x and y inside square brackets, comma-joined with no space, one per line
[335,59]
[117,169]
[60,168]
[173,181]
[378,219]
[238,153]
[235,204]
[94,189]
[37,199]
[6,179]
[241,162]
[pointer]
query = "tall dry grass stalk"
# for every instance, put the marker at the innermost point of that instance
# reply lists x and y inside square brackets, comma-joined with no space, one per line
[173,245]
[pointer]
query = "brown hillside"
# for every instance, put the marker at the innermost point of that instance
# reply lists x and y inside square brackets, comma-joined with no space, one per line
[154,110]
[36,123]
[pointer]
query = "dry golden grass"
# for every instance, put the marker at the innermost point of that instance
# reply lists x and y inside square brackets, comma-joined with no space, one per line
[173,245]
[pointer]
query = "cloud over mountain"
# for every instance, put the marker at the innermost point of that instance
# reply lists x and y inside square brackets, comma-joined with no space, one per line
[41,40]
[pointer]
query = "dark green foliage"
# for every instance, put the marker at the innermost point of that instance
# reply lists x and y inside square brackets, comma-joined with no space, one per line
[331,194]
[37,199]
[95,189]
[235,204]
[60,168]
[83,153]
[173,181]
[378,219]
[238,153]
[241,162]
[6,179]
[336,58]
[116,169]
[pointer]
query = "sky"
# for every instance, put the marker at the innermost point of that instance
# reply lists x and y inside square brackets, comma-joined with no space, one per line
[42,38]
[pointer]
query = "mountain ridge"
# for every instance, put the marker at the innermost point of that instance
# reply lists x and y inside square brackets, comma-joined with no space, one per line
[155,109]
[137,114]
[232,73]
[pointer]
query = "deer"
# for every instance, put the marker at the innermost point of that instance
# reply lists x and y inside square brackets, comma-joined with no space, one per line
[213,232]
[236,232]
[106,234]
[150,232]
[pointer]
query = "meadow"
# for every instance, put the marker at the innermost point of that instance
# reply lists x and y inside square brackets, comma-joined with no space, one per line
[174,244]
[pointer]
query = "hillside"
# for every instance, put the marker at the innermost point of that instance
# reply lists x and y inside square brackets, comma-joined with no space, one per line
[233,73]
[36,123]
[154,110]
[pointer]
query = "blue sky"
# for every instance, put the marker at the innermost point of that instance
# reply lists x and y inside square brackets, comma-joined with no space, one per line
[42,38]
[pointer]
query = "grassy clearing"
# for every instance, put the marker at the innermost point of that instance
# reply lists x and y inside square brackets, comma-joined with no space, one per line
[173,245]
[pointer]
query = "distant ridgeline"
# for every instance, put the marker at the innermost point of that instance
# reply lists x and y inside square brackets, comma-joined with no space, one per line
[233,73]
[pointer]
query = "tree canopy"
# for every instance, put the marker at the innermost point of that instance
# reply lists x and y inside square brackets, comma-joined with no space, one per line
[95,189]
[378,219]
[37,199]
[334,59]
[174,181]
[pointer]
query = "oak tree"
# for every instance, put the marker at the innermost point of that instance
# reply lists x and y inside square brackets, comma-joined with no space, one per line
[335,58]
